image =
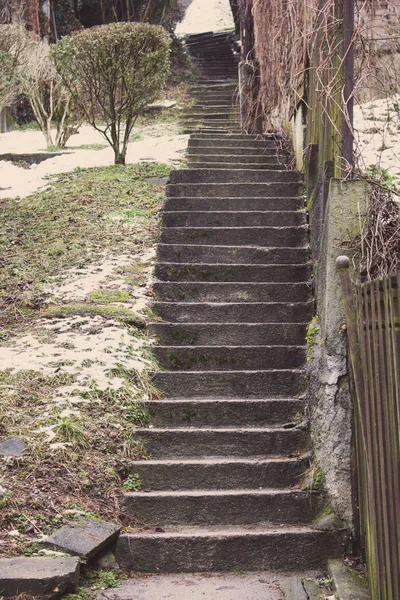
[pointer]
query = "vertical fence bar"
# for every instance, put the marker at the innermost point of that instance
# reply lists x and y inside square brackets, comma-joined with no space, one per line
[348,79]
[382,409]
[393,426]
[373,541]
[383,556]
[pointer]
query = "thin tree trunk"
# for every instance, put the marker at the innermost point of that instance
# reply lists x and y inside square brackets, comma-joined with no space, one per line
[32,17]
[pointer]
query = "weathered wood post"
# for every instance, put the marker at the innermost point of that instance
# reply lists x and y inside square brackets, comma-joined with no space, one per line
[348,83]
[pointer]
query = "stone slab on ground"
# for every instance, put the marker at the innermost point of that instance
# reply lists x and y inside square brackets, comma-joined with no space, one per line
[348,584]
[38,576]
[293,589]
[85,538]
[248,586]
[12,447]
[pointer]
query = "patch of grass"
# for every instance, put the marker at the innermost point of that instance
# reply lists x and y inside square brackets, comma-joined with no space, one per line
[93,581]
[108,296]
[138,414]
[71,429]
[117,313]
[28,387]
[88,147]
[72,225]
[133,483]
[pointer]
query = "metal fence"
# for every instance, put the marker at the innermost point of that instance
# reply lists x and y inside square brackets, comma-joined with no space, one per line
[373,324]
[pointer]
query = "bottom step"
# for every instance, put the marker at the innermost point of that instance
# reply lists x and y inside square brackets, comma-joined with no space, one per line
[200,550]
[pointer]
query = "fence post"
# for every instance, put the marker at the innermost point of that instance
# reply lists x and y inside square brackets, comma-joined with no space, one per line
[343,265]
[348,87]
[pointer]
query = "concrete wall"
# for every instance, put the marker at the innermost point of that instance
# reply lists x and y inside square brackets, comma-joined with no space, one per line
[330,403]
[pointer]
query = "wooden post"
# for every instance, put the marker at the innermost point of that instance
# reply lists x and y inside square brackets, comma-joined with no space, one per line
[348,81]
[343,264]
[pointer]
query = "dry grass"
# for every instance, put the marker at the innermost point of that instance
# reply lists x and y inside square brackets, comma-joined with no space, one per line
[80,442]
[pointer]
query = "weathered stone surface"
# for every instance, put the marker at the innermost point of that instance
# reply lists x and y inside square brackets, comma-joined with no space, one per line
[12,447]
[328,522]
[331,407]
[348,584]
[38,576]
[254,586]
[85,538]
[293,588]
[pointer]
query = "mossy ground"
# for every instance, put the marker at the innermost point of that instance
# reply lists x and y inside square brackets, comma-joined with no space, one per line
[79,435]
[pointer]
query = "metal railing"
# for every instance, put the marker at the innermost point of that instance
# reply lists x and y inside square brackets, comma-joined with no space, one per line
[372,313]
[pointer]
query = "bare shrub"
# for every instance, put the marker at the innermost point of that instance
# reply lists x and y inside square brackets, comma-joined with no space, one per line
[49,98]
[113,72]
[13,41]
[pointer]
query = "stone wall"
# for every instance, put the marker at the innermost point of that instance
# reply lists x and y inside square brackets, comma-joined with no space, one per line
[334,218]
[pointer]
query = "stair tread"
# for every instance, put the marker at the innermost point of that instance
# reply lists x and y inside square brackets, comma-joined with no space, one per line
[222,461]
[231,531]
[202,430]
[217,493]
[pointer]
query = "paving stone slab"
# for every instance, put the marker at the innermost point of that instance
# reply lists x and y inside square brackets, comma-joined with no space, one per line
[293,589]
[348,584]
[254,586]
[85,538]
[38,576]
[12,447]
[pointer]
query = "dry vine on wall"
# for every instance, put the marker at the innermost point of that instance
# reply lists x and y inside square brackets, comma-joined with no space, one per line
[298,45]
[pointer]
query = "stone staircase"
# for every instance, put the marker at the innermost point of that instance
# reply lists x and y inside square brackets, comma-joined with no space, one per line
[229,443]
[215,94]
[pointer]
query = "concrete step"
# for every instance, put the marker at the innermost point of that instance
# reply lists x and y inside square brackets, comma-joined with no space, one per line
[227,176]
[293,237]
[178,253]
[231,384]
[234,312]
[233,204]
[234,219]
[216,442]
[201,550]
[198,122]
[190,129]
[221,474]
[208,413]
[230,142]
[229,98]
[216,508]
[204,125]
[236,151]
[229,190]
[229,358]
[228,104]
[233,165]
[229,334]
[205,85]
[233,159]
[209,114]
[232,273]
[266,137]
[232,292]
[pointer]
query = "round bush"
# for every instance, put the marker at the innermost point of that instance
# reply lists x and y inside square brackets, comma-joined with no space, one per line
[113,71]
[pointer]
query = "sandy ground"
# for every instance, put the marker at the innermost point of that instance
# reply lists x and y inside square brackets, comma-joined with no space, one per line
[158,143]
[377,126]
[206,15]
[89,348]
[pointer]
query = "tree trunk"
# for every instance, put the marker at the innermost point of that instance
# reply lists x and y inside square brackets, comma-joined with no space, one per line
[32,14]
[119,157]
